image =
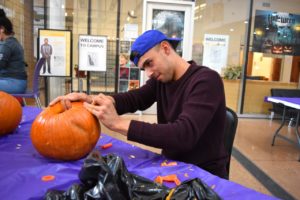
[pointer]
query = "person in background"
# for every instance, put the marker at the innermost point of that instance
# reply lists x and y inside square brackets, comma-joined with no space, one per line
[190,105]
[46,51]
[13,76]
[123,60]
[124,66]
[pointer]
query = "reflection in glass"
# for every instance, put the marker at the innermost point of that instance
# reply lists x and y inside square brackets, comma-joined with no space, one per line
[171,23]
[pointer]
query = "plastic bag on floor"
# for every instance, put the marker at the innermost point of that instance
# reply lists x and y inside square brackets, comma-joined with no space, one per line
[108,178]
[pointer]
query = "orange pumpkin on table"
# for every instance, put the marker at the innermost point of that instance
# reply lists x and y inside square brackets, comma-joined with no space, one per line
[10,113]
[65,134]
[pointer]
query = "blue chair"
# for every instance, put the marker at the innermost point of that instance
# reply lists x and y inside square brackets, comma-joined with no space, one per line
[34,93]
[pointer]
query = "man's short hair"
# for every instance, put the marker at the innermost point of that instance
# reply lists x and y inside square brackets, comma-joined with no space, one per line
[148,40]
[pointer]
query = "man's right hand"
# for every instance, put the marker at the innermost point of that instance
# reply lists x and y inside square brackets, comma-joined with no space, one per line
[67,99]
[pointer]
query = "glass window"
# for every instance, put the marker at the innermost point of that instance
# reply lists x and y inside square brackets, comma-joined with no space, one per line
[273,59]
[219,32]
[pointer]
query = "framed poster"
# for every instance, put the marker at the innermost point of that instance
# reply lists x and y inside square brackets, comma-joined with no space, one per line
[276,33]
[125,47]
[131,31]
[123,86]
[174,19]
[92,53]
[128,74]
[55,46]
[124,73]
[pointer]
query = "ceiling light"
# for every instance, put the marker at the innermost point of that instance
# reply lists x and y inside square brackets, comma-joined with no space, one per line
[297,28]
[259,32]
[202,5]
[131,14]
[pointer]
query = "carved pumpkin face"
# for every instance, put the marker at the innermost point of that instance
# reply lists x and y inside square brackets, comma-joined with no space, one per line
[288,49]
[277,49]
[10,113]
[65,134]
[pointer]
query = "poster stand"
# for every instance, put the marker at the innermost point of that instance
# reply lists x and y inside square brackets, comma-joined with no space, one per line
[129,74]
[92,55]
[56,46]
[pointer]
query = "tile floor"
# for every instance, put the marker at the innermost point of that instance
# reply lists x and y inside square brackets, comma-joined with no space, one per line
[253,139]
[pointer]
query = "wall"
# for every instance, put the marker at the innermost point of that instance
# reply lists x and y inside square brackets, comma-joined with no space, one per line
[256,91]
[262,66]
[287,69]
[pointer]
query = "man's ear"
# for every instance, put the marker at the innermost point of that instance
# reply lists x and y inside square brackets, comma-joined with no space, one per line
[166,47]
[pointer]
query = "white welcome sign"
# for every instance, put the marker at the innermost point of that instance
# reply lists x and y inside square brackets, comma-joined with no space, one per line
[215,51]
[92,53]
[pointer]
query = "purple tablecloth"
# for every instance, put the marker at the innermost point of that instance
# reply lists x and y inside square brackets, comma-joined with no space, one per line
[22,167]
[293,102]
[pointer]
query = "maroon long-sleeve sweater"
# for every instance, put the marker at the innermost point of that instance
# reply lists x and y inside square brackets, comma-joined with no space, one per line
[190,115]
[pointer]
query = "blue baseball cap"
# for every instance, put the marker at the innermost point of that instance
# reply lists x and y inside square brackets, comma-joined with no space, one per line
[148,40]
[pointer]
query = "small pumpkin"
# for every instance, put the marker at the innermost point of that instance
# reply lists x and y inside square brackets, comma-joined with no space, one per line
[65,134]
[10,113]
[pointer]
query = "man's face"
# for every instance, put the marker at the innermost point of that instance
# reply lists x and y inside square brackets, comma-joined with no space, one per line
[156,65]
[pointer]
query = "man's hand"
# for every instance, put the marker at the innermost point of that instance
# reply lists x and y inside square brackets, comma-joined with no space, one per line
[104,109]
[67,99]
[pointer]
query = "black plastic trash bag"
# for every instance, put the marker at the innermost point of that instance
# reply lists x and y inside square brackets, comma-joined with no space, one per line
[193,189]
[108,178]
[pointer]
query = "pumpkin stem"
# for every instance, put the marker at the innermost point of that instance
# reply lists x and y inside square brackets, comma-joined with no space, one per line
[57,108]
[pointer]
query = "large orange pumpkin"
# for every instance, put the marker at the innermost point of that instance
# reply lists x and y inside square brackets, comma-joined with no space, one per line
[65,134]
[10,113]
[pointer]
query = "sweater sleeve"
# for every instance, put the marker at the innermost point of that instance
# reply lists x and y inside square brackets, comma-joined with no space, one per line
[138,99]
[204,97]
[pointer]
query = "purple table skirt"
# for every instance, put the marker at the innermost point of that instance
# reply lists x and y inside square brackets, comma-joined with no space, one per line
[22,167]
[286,101]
